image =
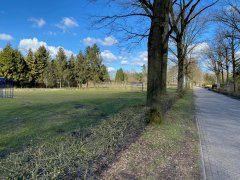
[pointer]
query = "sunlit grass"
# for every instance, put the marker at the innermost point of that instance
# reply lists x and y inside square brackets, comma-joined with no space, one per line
[38,114]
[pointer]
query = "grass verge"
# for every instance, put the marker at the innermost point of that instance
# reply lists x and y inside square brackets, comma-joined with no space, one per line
[229,94]
[165,151]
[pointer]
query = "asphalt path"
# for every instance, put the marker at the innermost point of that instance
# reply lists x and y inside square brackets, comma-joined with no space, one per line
[218,119]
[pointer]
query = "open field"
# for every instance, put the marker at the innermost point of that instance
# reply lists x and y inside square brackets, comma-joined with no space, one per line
[40,114]
[68,133]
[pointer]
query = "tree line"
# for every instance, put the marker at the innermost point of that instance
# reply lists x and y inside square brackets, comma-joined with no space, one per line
[122,76]
[223,57]
[38,69]
[163,20]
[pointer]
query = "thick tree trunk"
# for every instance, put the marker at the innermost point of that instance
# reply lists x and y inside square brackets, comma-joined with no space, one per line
[158,52]
[180,56]
[157,58]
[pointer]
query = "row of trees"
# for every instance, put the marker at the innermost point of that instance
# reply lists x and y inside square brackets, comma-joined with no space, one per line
[160,21]
[223,55]
[38,68]
[122,76]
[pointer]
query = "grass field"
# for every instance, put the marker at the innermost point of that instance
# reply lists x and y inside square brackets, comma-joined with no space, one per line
[68,134]
[41,114]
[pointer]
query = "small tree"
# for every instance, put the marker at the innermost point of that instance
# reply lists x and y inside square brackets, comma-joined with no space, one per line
[119,75]
[104,75]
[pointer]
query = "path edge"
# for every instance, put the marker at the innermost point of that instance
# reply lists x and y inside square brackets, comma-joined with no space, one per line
[201,151]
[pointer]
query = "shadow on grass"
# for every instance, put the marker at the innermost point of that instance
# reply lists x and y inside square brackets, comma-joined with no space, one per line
[29,123]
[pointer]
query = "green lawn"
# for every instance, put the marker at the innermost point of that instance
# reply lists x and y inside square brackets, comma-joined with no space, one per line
[40,114]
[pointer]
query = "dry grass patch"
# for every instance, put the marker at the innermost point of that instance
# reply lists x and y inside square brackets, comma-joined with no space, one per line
[165,151]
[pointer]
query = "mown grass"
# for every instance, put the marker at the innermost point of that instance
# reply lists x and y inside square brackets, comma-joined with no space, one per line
[41,114]
[69,134]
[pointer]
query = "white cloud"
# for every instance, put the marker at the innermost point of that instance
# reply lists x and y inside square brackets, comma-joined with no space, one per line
[37,22]
[108,56]
[90,41]
[111,69]
[67,23]
[5,37]
[199,49]
[107,41]
[124,62]
[140,59]
[134,59]
[34,44]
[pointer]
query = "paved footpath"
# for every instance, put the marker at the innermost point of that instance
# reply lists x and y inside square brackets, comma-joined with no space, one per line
[218,118]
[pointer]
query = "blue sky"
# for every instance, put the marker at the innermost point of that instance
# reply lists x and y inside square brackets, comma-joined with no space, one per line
[66,23]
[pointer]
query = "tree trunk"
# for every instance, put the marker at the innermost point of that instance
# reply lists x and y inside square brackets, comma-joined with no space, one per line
[218,77]
[180,56]
[158,52]
[227,66]
[223,81]
[234,74]
[233,61]
[157,58]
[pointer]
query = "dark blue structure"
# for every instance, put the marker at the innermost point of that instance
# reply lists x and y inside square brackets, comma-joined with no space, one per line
[6,88]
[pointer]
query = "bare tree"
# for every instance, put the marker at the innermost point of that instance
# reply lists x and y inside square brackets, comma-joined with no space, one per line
[182,13]
[214,62]
[229,18]
[156,13]
[191,41]
[223,44]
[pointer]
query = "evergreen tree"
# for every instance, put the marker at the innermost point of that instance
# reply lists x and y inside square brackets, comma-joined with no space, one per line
[49,75]
[104,75]
[41,57]
[20,75]
[81,69]
[7,62]
[32,67]
[13,65]
[94,63]
[61,66]
[119,75]
[69,73]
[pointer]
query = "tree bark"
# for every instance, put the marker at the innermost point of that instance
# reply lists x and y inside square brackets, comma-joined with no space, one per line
[180,56]
[223,81]
[233,61]
[158,52]
[227,66]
